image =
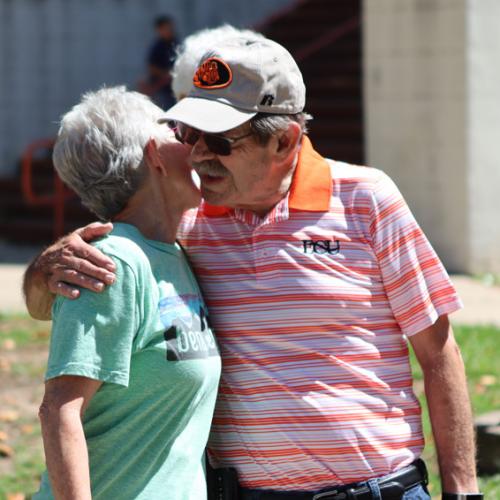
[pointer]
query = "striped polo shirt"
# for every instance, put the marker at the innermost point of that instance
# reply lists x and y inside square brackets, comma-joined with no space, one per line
[311,305]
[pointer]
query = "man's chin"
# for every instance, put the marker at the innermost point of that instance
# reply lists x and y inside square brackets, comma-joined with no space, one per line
[213,197]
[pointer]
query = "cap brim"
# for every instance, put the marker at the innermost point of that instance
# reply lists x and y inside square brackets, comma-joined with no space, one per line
[207,115]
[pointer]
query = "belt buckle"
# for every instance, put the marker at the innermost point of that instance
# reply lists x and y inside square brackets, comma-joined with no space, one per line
[330,495]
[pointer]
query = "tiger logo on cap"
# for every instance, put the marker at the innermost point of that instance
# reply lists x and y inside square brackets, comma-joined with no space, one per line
[213,73]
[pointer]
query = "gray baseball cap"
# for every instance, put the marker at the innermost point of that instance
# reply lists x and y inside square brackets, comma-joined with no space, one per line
[238,79]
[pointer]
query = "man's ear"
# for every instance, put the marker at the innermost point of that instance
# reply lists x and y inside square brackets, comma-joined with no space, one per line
[289,140]
[152,156]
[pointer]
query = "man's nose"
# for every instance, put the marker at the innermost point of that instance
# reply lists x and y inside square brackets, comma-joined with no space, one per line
[200,151]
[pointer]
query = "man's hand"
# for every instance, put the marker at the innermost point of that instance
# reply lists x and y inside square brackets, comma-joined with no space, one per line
[69,263]
[72,261]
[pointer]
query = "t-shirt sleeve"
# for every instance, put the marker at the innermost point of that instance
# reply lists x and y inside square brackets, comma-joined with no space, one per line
[417,285]
[93,335]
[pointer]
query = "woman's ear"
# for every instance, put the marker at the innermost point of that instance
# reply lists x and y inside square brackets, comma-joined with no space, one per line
[289,140]
[152,156]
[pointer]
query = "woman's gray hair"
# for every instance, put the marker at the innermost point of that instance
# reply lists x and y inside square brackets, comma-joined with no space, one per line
[100,147]
[265,125]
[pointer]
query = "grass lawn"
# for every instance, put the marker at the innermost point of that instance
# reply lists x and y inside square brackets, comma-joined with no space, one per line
[23,355]
[23,350]
[479,346]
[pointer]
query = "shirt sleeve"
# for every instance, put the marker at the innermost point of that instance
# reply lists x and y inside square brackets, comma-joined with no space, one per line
[417,285]
[154,56]
[93,335]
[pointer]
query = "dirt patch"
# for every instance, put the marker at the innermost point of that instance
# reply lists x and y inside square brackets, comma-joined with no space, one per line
[23,358]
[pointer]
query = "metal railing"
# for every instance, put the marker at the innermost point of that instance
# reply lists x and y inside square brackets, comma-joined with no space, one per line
[277,15]
[327,38]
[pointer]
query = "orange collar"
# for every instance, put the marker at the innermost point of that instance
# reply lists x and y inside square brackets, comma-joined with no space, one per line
[311,187]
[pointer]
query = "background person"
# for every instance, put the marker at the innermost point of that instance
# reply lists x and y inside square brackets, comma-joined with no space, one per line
[315,273]
[132,373]
[160,60]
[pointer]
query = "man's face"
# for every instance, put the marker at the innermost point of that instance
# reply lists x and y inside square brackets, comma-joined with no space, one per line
[165,31]
[247,178]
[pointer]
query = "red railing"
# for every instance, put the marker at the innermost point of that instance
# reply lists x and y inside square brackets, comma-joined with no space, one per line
[327,38]
[277,15]
[331,36]
[56,198]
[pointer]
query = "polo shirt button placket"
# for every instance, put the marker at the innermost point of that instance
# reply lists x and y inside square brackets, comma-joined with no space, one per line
[260,253]
[254,249]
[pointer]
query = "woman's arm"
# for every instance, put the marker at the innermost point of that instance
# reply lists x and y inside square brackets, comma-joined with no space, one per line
[64,403]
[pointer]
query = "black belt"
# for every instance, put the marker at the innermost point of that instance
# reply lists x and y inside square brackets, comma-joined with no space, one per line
[392,487]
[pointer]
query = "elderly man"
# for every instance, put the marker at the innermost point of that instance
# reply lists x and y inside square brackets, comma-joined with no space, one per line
[315,273]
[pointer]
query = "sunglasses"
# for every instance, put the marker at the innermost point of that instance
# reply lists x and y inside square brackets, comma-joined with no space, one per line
[217,144]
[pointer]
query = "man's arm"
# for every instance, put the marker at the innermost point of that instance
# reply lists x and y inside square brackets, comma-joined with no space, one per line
[63,406]
[449,405]
[67,264]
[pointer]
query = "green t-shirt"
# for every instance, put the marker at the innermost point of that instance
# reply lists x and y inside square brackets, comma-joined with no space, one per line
[147,337]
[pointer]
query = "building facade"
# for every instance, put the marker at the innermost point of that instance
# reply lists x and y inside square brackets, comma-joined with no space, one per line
[430,87]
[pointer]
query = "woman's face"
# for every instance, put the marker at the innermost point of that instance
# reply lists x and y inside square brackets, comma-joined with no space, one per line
[179,179]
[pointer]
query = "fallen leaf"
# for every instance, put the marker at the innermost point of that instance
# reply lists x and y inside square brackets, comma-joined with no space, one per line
[42,334]
[3,436]
[6,450]
[9,416]
[479,388]
[27,429]
[9,344]
[5,366]
[488,380]
[15,496]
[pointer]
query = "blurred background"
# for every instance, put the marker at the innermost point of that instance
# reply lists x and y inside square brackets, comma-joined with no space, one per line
[407,86]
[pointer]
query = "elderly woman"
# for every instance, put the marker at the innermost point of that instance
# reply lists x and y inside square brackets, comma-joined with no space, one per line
[132,372]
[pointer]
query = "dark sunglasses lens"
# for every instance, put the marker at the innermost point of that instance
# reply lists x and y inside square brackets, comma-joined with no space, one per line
[187,135]
[215,143]
[218,145]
